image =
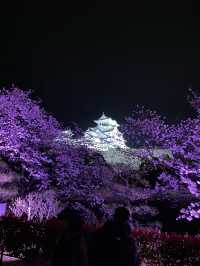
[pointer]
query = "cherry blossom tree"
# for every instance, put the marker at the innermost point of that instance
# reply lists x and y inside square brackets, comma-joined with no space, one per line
[26,134]
[147,129]
[31,143]
[43,205]
[78,169]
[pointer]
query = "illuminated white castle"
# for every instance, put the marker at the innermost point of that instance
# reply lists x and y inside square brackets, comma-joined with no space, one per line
[105,135]
[108,140]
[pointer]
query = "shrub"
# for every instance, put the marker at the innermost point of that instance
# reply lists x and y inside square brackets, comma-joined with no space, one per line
[149,244]
[20,238]
[24,240]
[158,248]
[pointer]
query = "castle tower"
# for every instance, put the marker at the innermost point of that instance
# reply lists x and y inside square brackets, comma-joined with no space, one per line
[105,135]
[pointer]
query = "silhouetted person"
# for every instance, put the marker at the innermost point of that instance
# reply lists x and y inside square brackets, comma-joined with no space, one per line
[71,249]
[113,243]
[24,217]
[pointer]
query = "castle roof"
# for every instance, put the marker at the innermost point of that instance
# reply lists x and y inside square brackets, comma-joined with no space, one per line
[106,121]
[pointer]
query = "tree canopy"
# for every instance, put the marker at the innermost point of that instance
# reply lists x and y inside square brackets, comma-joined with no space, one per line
[31,142]
[147,129]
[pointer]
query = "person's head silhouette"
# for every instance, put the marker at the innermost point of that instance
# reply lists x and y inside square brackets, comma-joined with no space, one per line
[72,218]
[121,215]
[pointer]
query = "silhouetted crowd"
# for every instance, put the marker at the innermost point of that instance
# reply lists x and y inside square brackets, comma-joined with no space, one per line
[112,244]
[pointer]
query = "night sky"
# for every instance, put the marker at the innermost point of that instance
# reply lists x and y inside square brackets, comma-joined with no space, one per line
[83,58]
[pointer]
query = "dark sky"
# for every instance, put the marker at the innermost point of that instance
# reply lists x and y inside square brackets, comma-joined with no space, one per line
[85,57]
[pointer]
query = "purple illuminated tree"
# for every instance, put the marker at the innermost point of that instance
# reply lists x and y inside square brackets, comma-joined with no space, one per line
[26,134]
[147,129]
[28,142]
[31,143]
[78,169]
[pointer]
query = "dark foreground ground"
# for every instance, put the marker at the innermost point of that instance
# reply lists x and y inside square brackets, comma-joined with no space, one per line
[8,261]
